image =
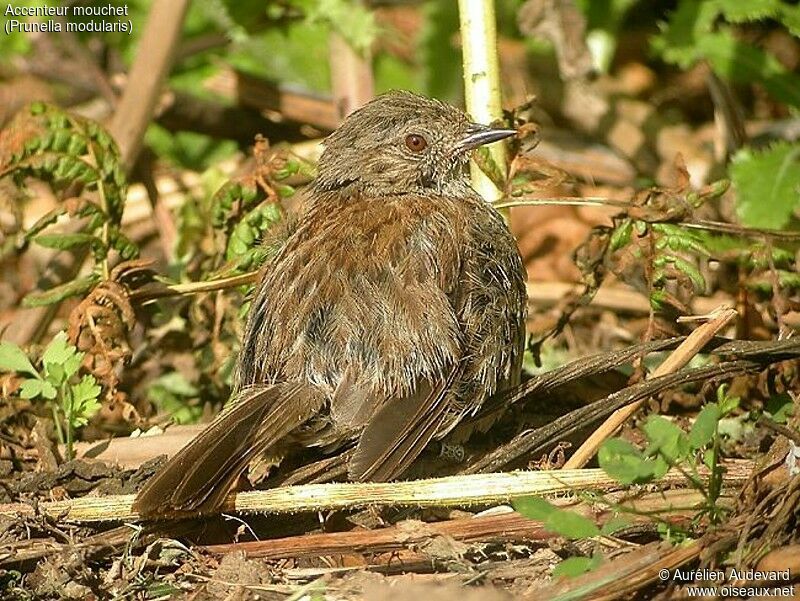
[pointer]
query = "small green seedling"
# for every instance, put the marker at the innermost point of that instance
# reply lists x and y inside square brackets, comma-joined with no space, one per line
[73,400]
[669,446]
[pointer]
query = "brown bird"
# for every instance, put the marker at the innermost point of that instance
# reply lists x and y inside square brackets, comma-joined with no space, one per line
[394,306]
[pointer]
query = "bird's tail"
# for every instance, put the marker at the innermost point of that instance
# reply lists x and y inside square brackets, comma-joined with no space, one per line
[198,478]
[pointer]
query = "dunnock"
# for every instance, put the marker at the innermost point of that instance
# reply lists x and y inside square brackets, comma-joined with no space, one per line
[394,307]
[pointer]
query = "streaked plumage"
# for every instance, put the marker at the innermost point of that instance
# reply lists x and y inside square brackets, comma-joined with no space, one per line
[394,306]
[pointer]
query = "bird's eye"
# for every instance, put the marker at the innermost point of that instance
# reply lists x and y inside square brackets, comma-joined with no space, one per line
[416,143]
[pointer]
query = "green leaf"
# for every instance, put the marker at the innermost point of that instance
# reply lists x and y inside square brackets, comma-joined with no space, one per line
[12,358]
[66,241]
[677,42]
[54,372]
[571,524]
[615,524]
[58,293]
[691,271]
[61,358]
[58,350]
[63,169]
[621,236]
[31,388]
[561,521]
[767,184]
[624,462]
[689,38]
[176,383]
[534,508]
[737,11]
[710,458]
[352,20]
[665,439]
[86,390]
[48,390]
[659,467]
[575,566]
[780,407]
[84,400]
[705,426]
[727,404]
[247,233]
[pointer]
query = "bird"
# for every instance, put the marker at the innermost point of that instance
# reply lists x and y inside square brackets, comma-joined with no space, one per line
[393,307]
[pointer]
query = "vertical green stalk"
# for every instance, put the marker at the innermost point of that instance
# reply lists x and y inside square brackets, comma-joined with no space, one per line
[57,422]
[67,404]
[482,81]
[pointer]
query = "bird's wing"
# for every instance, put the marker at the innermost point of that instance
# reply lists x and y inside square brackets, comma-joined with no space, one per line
[491,306]
[198,478]
[400,429]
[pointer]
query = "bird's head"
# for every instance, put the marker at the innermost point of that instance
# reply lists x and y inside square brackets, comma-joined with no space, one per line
[402,143]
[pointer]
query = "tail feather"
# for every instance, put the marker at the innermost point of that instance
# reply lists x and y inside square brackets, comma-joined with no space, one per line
[399,430]
[199,477]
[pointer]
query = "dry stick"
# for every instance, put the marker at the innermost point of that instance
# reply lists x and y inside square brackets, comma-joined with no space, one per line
[458,491]
[631,572]
[17,552]
[351,75]
[157,46]
[264,96]
[619,577]
[507,527]
[678,359]
[154,57]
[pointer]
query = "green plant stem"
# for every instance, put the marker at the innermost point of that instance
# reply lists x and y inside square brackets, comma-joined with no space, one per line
[693,479]
[715,478]
[482,81]
[57,422]
[699,224]
[66,396]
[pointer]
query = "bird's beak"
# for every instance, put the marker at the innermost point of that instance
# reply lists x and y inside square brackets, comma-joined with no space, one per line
[478,135]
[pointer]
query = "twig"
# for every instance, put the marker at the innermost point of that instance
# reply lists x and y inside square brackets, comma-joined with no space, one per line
[351,75]
[507,527]
[771,424]
[453,491]
[567,201]
[678,359]
[147,293]
[157,46]
[531,442]
[621,576]
[249,91]
[697,224]
[30,549]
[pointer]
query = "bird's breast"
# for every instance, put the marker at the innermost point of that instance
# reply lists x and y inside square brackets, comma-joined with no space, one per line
[363,290]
